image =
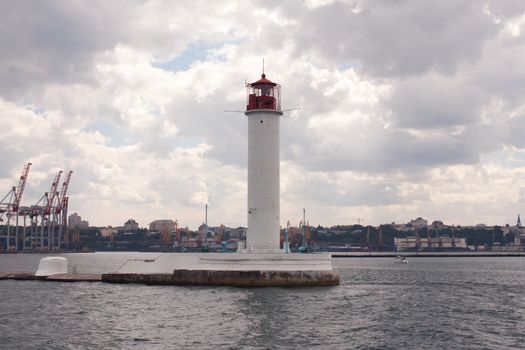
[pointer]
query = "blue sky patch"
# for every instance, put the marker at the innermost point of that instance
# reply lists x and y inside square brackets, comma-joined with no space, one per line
[117,136]
[193,52]
[345,66]
[196,51]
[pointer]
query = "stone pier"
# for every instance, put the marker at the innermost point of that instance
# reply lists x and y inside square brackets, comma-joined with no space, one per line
[230,278]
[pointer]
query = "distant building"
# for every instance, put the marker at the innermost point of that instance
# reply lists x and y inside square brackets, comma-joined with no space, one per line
[159,225]
[519,233]
[209,231]
[402,227]
[413,242]
[108,231]
[131,226]
[418,223]
[437,225]
[239,232]
[75,221]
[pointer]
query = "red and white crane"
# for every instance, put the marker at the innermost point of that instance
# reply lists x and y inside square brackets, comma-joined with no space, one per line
[21,186]
[52,195]
[44,210]
[62,209]
[10,204]
[50,210]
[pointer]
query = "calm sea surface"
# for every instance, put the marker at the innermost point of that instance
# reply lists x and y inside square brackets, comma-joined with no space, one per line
[430,303]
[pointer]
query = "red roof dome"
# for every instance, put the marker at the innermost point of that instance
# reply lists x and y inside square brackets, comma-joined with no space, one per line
[263,80]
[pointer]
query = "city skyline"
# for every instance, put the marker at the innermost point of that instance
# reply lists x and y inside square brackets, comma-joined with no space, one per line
[173,224]
[406,109]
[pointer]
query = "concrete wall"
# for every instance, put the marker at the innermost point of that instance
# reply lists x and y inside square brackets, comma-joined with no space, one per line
[231,278]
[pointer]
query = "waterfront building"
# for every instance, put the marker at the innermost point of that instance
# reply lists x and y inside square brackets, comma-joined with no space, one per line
[159,225]
[437,225]
[131,226]
[418,223]
[207,232]
[519,233]
[239,232]
[402,227]
[75,221]
[108,231]
[441,242]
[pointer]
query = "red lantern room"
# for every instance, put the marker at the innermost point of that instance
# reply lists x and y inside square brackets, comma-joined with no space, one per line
[263,94]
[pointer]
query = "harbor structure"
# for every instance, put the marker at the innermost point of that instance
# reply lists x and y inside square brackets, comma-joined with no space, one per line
[441,242]
[75,221]
[10,207]
[131,225]
[159,225]
[259,261]
[519,233]
[263,110]
[39,227]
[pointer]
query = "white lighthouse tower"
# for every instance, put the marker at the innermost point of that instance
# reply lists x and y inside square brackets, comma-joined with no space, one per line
[263,110]
[259,261]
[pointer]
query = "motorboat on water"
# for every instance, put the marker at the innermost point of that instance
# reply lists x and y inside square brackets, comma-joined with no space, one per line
[400,259]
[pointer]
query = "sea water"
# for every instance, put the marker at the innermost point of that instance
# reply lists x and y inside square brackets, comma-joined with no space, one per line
[429,303]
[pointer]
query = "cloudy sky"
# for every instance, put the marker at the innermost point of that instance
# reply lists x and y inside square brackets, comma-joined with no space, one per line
[407,108]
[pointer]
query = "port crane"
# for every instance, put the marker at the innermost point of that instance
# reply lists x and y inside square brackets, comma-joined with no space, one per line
[45,216]
[43,213]
[61,210]
[304,232]
[10,206]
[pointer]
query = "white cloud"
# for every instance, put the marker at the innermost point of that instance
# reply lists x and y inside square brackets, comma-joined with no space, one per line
[406,109]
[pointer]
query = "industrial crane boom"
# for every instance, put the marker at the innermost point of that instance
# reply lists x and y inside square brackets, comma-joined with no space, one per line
[21,185]
[65,186]
[52,194]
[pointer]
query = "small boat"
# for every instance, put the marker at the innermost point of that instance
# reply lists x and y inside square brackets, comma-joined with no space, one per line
[400,259]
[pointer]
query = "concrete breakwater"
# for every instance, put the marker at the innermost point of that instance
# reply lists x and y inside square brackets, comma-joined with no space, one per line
[231,278]
[65,277]
[199,277]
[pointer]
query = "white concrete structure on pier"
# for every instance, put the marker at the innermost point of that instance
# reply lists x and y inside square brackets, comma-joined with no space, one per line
[167,262]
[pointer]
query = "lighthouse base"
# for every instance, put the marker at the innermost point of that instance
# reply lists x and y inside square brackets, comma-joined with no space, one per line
[230,269]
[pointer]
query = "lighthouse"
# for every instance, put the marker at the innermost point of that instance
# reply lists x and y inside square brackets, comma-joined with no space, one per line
[263,109]
[259,261]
